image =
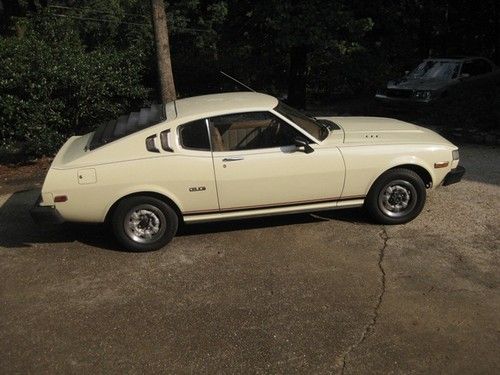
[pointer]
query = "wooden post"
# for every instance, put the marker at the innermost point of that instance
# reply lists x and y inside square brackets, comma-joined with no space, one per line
[496,16]
[167,86]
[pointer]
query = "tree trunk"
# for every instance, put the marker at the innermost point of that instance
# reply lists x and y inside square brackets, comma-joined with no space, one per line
[496,16]
[8,9]
[167,86]
[297,78]
[425,30]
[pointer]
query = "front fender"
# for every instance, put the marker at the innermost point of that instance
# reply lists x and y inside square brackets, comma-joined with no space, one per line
[364,164]
[412,161]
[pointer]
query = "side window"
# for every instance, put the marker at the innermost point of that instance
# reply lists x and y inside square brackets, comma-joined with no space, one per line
[476,67]
[468,68]
[249,131]
[194,136]
[484,67]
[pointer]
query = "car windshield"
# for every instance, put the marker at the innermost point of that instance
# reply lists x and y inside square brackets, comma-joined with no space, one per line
[436,69]
[310,125]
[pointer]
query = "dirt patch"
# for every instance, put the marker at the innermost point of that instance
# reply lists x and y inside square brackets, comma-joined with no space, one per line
[29,175]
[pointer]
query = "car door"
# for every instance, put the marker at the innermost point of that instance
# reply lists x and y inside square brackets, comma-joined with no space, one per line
[476,72]
[189,172]
[257,165]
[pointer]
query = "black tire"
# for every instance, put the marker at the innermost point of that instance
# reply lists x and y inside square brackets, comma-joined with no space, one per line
[387,197]
[143,223]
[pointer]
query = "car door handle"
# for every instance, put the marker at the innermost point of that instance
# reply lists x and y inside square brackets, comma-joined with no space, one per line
[236,158]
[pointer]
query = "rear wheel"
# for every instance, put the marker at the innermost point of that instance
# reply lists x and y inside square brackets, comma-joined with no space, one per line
[396,197]
[144,223]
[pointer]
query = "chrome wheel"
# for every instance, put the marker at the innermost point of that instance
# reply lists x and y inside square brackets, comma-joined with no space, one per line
[144,223]
[398,198]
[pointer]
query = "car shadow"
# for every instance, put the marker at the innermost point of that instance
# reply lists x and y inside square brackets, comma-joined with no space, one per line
[17,229]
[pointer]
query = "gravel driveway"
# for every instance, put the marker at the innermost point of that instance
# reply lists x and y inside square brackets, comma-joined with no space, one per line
[327,292]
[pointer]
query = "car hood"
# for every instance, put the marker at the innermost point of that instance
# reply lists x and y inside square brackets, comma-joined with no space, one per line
[379,130]
[418,84]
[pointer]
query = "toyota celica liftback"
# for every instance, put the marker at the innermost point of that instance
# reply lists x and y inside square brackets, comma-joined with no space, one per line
[239,155]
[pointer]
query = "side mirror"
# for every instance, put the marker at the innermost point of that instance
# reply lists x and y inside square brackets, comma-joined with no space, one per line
[302,142]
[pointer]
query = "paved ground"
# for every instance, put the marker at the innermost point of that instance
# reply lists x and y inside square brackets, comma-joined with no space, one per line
[325,293]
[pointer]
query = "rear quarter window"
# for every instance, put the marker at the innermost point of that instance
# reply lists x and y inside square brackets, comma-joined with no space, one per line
[194,136]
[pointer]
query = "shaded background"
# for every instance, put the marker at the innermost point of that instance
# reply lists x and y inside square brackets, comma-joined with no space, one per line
[67,66]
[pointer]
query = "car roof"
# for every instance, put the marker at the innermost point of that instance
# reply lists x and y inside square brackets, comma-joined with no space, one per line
[455,58]
[222,103]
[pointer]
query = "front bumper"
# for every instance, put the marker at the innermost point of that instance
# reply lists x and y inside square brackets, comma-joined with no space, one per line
[396,100]
[45,214]
[454,176]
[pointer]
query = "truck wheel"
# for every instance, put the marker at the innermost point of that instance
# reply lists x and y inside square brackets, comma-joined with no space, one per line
[396,197]
[144,223]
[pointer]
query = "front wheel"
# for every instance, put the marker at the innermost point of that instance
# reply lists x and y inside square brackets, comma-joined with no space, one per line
[396,197]
[143,223]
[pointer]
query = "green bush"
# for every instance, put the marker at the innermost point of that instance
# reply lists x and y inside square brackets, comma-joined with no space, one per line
[51,87]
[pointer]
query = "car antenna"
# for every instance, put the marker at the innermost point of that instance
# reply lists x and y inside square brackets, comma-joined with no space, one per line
[235,80]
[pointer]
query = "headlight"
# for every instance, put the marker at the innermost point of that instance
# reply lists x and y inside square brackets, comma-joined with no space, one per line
[455,155]
[424,94]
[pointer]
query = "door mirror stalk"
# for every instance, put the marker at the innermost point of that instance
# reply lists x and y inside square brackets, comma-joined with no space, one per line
[302,142]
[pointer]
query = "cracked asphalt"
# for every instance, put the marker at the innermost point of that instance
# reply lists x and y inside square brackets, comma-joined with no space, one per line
[326,293]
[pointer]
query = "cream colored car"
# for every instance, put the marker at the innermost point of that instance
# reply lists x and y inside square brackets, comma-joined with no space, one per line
[239,155]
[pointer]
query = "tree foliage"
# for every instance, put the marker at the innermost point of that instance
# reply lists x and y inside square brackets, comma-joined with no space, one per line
[68,65]
[51,86]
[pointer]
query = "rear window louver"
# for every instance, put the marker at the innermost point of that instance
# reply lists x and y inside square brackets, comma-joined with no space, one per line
[127,124]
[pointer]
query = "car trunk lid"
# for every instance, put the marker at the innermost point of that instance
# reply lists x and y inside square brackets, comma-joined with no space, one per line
[74,148]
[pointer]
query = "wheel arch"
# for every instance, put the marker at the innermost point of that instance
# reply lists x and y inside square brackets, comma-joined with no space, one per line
[421,171]
[152,194]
